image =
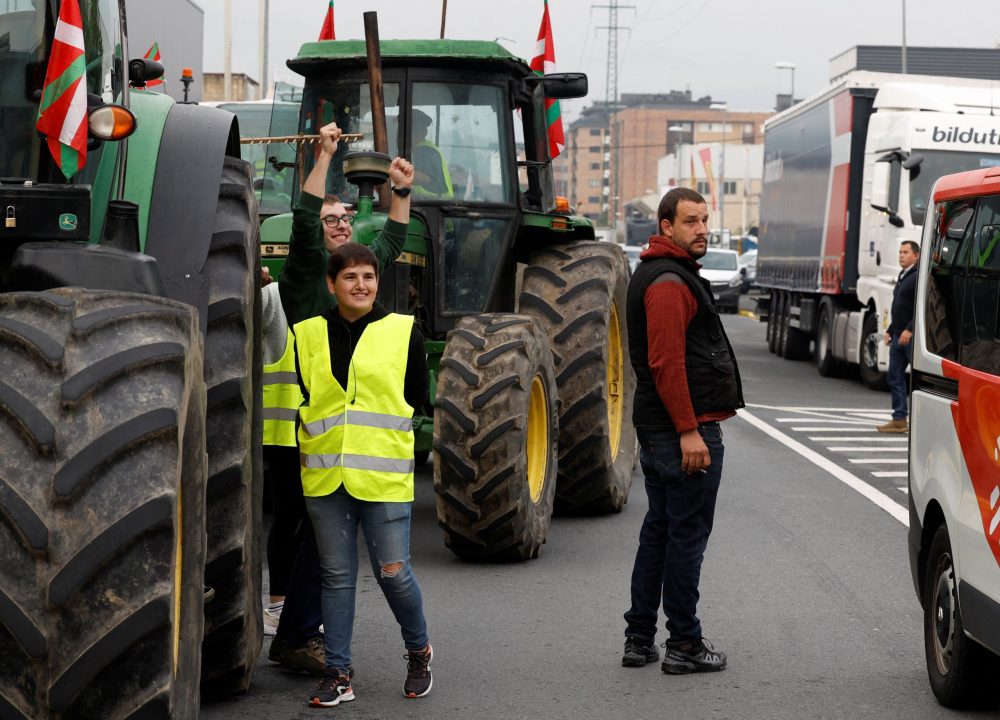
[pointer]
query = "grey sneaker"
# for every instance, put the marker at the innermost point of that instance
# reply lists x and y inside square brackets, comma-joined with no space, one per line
[692,657]
[333,689]
[639,652]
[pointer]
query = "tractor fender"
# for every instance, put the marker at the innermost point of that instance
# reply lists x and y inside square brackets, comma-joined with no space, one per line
[185,196]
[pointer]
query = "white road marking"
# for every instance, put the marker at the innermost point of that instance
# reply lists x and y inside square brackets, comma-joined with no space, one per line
[861,438]
[849,448]
[852,481]
[813,428]
[891,473]
[881,461]
[903,489]
[832,421]
[796,408]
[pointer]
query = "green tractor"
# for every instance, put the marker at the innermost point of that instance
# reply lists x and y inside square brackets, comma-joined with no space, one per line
[523,311]
[130,575]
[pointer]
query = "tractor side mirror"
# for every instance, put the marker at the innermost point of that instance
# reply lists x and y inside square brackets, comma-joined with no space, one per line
[142,70]
[564,86]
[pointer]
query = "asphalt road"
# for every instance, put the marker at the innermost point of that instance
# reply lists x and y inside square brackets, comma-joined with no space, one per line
[806,587]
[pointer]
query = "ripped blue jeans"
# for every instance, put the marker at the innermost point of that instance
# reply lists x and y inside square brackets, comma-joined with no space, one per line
[386,525]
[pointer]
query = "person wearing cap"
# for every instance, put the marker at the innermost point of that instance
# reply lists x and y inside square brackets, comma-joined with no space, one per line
[432,178]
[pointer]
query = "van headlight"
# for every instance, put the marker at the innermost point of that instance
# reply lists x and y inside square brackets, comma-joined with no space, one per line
[735,281]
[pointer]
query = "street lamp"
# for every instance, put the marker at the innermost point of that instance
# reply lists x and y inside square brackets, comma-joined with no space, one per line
[790,66]
[723,107]
[677,152]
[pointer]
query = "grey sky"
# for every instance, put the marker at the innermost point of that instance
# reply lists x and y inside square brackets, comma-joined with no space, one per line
[723,48]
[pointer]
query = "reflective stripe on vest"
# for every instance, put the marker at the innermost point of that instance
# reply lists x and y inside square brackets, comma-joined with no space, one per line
[282,398]
[360,436]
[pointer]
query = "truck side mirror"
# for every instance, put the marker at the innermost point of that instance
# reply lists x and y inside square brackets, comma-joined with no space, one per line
[912,161]
[880,186]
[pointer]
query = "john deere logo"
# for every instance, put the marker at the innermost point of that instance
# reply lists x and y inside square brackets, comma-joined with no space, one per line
[67,221]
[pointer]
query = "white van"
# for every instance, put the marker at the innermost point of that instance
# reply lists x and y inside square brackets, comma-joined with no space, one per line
[954,498]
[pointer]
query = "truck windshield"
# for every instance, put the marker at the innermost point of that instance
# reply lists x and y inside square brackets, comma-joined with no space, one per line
[25,35]
[936,164]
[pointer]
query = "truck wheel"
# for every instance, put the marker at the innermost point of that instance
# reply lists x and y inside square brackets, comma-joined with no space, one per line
[781,328]
[868,369]
[793,344]
[772,323]
[577,294]
[826,363]
[233,628]
[961,671]
[495,431]
[102,500]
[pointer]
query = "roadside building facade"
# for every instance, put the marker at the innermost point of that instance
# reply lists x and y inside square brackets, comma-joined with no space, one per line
[613,157]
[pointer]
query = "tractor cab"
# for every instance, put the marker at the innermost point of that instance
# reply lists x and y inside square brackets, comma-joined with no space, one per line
[470,116]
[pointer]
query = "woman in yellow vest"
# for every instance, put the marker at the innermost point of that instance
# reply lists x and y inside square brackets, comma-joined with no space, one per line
[362,372]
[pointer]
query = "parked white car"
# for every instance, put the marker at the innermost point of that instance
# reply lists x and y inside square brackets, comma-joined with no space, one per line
[722,269]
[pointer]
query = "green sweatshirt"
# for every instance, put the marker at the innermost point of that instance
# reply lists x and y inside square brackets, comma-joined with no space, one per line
[303,278]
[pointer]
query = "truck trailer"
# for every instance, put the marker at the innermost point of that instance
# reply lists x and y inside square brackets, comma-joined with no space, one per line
[847,175]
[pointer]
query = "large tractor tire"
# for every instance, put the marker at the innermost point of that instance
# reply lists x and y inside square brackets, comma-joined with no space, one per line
[233,618]
[577,294]
[495,431]
[102,506]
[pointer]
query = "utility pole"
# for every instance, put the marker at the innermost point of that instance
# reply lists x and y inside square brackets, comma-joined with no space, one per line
[904,38]
[227,85]
[263,30]
[610,206]
[444,16]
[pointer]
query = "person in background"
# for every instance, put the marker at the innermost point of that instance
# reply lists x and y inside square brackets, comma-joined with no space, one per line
[687,383]
[899,337]
[362,372]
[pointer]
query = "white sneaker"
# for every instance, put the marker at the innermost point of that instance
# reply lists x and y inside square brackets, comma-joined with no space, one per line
[272,614]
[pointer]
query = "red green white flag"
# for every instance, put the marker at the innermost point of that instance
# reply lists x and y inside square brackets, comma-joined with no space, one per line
[327,32]
[153,54]
[545,62]
[62,113]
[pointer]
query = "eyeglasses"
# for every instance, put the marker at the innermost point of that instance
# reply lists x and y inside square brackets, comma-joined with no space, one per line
[332,221]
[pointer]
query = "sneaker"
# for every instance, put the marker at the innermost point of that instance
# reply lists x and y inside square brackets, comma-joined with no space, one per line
[692,657]
[639,652]
[272,614]
[418,672]
[894,426]
[309,658]
[333,689]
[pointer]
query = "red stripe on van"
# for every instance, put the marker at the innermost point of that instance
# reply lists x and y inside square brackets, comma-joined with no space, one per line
[977,422]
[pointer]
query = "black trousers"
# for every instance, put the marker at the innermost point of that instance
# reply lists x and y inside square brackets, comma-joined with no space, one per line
[290,518]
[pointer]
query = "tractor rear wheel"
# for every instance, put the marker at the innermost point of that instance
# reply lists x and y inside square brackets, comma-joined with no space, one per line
[495,431]
[233,619]
[577,294]
[102,505]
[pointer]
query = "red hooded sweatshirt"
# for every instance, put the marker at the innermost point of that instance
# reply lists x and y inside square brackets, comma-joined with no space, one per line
[670,308]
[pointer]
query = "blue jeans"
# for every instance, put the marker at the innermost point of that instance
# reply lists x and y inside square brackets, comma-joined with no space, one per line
[335,520]
[674,534]
[899,358]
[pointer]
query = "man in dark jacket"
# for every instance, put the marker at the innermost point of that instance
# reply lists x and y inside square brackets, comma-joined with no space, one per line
[687,382]
[899,335]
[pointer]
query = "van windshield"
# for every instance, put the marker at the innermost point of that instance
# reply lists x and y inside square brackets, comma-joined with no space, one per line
[936,164]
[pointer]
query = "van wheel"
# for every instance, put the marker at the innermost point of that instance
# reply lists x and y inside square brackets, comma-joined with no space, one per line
[960,670]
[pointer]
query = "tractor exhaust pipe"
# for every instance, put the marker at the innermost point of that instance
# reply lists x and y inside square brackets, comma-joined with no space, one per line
[377,96]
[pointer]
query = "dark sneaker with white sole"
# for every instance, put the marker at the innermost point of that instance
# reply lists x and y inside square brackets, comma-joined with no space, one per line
[418,672]
[639,652]
[333,689]
[692,657]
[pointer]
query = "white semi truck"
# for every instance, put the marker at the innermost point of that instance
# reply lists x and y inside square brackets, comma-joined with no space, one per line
[847,174]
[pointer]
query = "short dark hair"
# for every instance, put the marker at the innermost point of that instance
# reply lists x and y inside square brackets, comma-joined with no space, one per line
[331,199]
[348,255]
[668,204]
[914,246]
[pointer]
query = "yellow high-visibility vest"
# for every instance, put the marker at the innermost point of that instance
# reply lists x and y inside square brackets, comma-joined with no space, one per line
[448,191]
[282,398]
[360,436]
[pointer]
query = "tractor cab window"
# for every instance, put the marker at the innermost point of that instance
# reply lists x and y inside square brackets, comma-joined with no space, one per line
[26,27]
[349,105]
[458,143]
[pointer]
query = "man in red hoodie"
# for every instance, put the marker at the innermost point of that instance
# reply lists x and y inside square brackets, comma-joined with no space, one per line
[687,382]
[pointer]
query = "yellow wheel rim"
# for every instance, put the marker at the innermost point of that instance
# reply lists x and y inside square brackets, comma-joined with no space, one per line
[616,385]
[538,438]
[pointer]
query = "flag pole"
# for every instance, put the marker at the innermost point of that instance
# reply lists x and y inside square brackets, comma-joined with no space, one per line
[444,15]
